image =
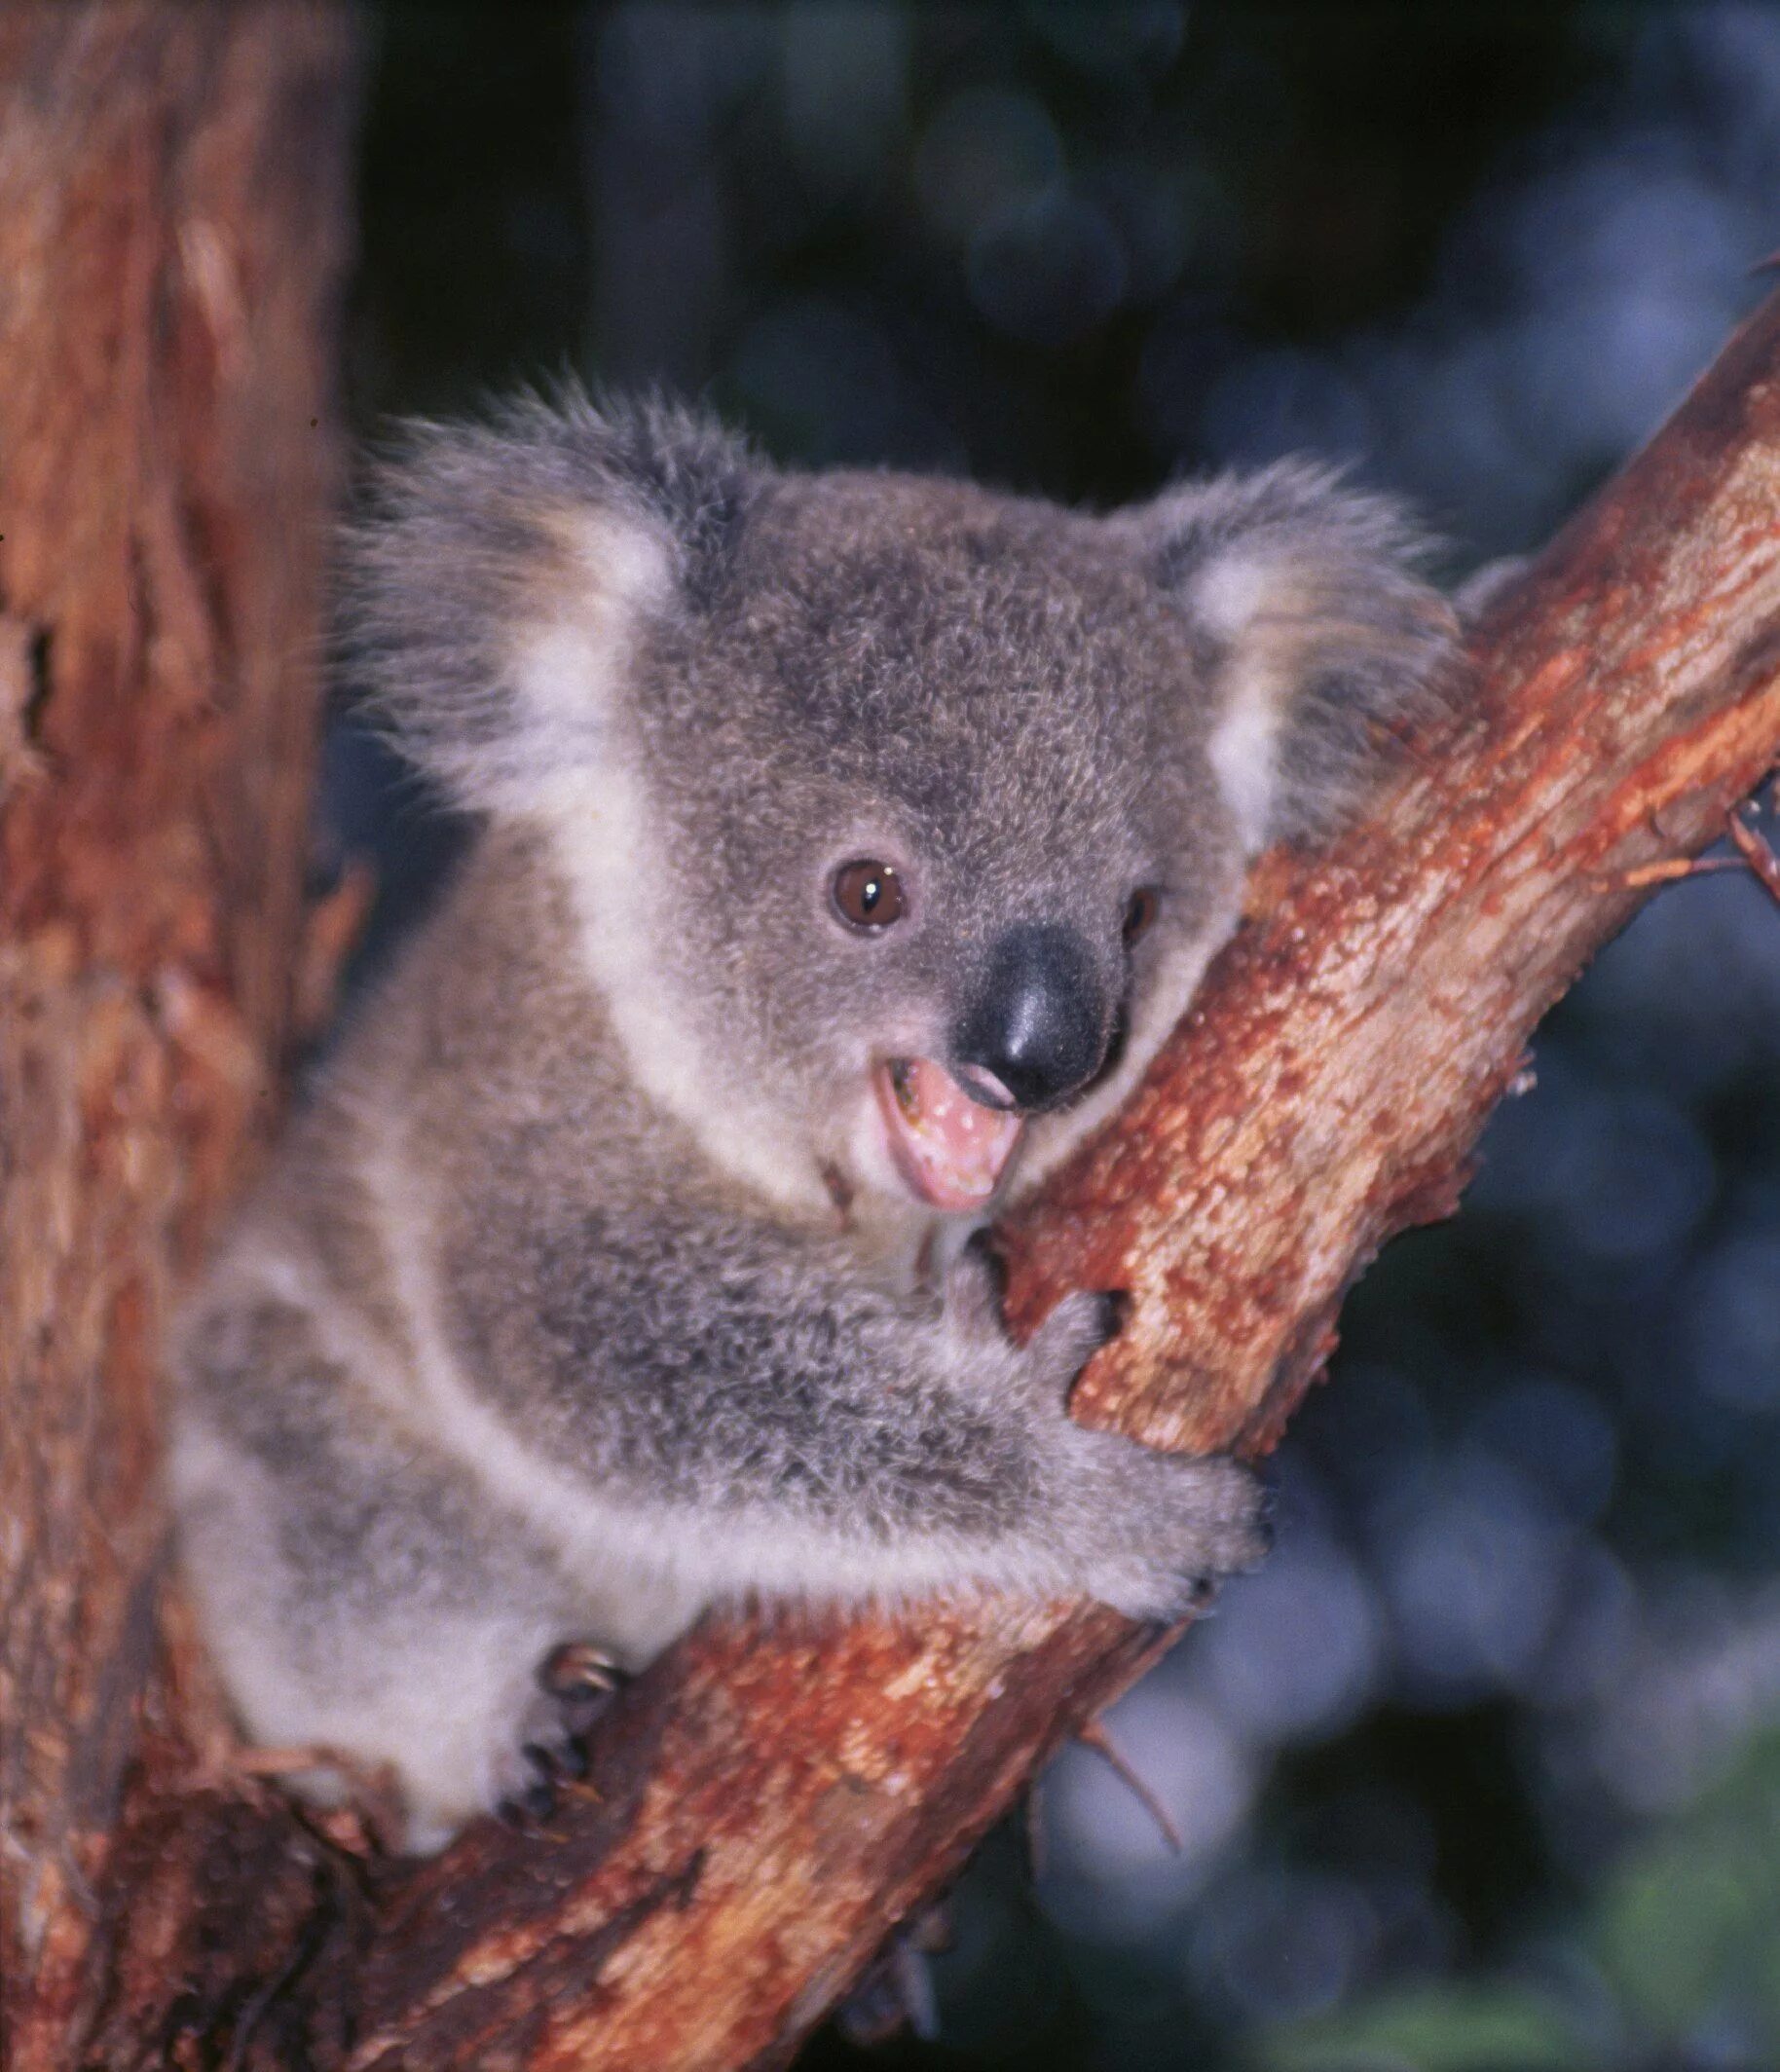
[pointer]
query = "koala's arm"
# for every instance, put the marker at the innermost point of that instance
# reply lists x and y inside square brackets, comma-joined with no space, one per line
[765,1420]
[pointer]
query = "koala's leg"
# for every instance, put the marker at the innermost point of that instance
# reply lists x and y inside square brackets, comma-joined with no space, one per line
[360,1590]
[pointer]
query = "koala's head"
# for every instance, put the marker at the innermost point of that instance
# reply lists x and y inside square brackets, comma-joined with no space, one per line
[900,817]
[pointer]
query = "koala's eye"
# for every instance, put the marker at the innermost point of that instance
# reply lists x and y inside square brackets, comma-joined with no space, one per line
[1139,913]
[868,894]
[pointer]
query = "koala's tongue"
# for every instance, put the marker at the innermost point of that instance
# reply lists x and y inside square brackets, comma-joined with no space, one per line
[951,1149]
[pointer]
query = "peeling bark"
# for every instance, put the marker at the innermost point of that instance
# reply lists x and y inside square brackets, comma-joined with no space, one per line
[171,209]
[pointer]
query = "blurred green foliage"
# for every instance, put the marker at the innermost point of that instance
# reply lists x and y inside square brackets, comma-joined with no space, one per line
[1671,1959]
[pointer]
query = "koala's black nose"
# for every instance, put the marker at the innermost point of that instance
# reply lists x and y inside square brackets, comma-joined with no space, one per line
[1038,1022]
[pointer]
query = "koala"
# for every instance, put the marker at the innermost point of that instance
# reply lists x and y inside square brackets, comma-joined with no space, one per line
[849,842]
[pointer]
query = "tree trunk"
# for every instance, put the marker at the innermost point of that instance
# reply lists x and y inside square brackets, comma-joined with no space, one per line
[171,210]
[767,1800]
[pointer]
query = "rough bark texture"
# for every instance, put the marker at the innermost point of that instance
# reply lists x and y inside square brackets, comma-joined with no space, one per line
[769,1800]
[171,212]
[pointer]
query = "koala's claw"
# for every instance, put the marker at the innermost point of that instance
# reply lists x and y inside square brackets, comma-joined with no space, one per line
[1201,1592]
[576,1684]
[577,1673]
[566,1763]
[533,1803]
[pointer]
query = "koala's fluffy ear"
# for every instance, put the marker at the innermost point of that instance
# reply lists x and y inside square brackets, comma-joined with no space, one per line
[496,580]
[1320,635]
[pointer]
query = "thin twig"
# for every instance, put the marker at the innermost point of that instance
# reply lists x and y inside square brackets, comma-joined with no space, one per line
[1094,1736]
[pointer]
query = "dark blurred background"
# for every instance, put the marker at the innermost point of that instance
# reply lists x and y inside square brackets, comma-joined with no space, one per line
[1484,1769]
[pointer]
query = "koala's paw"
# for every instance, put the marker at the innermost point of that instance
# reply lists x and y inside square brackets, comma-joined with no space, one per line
[1068,1339]
[1150,1534]
[574,1683]
[1164,1528]
[972,1295]
[1046,1367]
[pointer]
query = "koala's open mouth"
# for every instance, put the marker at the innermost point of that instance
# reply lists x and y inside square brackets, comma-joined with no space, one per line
[950,1148]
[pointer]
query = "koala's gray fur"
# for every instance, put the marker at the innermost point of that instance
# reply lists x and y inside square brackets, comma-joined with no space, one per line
[584,1292]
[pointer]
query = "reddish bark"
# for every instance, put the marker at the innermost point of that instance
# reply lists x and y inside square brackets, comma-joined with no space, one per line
[171,212]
